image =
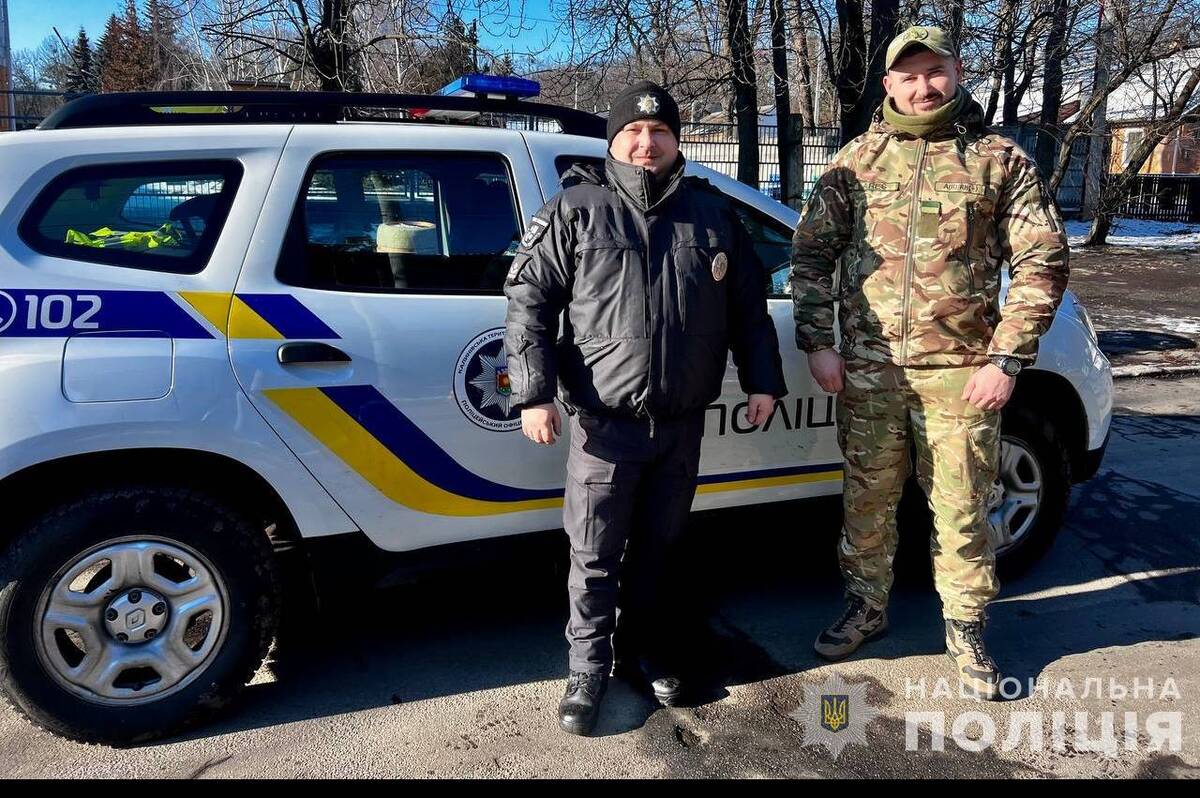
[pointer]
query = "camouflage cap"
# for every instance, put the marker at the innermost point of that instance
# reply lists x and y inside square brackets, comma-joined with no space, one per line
[931,38]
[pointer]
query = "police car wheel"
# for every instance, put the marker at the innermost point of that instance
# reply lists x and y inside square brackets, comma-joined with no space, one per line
[130,614]
[1026,507]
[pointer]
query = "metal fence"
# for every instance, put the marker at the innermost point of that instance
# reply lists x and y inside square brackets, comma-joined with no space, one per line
[716,146]
[22,109]
[1165,198]
[1070,191]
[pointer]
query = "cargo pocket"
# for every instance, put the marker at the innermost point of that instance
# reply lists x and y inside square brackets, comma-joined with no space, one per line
[597,514]
[983,442]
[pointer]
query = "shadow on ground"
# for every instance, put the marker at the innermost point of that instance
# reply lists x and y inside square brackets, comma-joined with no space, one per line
[1115,343]
[1122,571]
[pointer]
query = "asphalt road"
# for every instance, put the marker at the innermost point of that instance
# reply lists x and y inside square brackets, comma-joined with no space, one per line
[459,675]
[1144,303]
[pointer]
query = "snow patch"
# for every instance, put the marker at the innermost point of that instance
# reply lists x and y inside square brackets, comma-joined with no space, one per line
[1141,233]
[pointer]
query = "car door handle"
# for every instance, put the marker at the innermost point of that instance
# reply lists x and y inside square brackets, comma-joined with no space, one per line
[310,352]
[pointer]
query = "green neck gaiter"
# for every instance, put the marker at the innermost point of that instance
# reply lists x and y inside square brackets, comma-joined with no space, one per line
[921,125]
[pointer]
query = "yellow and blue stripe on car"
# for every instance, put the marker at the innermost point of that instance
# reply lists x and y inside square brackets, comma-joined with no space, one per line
[383,446]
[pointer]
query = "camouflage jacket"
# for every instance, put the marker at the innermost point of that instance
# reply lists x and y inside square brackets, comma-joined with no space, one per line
[919,230]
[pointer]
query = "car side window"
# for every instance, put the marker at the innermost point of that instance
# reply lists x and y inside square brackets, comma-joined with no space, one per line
[160,216]
[773,243]
[403,222]
[564,163]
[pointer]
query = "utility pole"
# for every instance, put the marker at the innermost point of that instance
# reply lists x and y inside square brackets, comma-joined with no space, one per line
[475,46]
[7,107]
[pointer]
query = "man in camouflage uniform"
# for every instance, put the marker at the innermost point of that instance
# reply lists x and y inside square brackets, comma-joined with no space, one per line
[917,216]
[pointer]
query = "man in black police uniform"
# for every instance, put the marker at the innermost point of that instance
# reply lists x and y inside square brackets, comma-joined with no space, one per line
[658,280]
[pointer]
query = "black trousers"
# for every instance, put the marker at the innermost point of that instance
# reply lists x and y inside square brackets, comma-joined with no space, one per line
[628,494]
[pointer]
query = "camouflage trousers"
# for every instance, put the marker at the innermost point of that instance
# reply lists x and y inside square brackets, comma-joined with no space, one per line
[883,412]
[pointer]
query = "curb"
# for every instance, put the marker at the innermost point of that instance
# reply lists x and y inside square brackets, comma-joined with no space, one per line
[1151,370]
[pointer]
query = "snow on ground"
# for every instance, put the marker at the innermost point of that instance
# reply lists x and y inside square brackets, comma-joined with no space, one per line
[1141,233]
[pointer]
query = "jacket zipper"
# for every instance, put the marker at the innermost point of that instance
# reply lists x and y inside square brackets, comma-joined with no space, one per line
[645,235]
[967,252]
[914,208]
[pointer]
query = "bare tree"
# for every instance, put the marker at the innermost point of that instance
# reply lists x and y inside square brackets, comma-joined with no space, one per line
[43,68]
[745,89]
[1173,90]
[347,45]
[1154,31]
[1062,18]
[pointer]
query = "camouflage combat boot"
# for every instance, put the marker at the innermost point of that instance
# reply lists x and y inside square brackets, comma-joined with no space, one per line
[858,623]
[977,672]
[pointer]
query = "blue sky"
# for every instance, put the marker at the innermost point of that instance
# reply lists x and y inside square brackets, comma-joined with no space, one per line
[31,21]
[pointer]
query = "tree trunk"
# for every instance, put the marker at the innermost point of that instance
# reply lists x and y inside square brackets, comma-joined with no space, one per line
[1010,114]
[851,72]
[885,15]
[1001,56]
[955,21]
[804,84]
[745,91]
[1052,87]
[783,100]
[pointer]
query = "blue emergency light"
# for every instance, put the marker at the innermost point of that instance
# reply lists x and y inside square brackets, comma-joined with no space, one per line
[475,85]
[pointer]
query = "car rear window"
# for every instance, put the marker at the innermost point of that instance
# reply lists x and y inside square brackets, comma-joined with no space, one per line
[160,216]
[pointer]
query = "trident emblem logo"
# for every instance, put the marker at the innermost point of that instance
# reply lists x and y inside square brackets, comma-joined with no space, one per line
[827,718]
[835,713]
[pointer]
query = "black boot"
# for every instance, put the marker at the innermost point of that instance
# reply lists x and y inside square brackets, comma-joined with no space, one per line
[664,682]
[580,705]
[648,675]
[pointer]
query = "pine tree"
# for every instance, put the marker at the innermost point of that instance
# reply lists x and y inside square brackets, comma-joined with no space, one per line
[81,73]
[503,65]
[126,53]
[106,52]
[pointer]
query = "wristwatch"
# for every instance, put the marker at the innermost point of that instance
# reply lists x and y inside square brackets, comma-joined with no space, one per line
[1009,365]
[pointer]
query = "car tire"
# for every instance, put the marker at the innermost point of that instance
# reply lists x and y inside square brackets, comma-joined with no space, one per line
[1042,459]
[186,579]
[1026,437]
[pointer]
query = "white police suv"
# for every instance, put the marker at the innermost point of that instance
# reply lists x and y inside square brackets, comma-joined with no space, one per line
[236,325]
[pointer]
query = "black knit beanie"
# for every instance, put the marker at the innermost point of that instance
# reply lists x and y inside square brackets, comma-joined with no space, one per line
[643,100]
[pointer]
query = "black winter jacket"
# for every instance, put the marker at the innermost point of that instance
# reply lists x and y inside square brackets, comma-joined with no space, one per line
[658,284]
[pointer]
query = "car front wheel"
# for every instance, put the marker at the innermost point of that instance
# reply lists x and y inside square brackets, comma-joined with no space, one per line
[130,614]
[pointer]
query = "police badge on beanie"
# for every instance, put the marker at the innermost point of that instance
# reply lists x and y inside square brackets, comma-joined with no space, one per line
[643,100]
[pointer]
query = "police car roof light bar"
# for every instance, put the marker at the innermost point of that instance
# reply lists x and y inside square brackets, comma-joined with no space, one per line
[126,109]
[509,86]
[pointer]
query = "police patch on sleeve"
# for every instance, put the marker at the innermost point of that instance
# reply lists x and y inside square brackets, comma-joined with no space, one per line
[537,228]
[514,271]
